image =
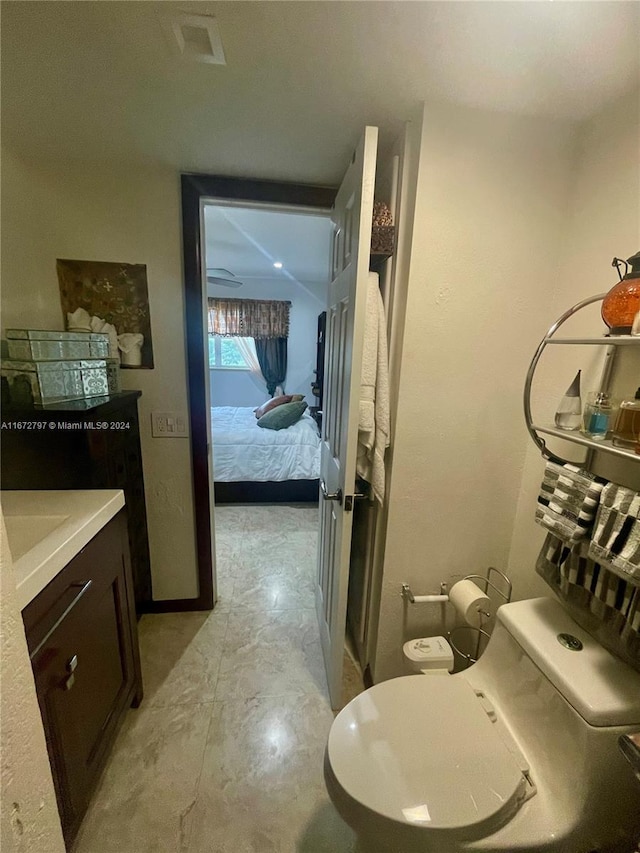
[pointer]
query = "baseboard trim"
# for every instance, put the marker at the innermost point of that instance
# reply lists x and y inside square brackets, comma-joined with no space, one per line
[178,605]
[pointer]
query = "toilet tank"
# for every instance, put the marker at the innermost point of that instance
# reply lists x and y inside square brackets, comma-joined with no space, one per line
[601,688]
[565,710]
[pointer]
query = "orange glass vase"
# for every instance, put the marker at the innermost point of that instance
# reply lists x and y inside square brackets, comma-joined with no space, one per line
[622,303]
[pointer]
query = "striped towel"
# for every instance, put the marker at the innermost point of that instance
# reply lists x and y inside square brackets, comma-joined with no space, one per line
[597,599]
[615,541]
[567,501]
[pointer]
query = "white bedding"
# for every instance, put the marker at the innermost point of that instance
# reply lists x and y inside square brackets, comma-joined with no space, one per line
[244,451]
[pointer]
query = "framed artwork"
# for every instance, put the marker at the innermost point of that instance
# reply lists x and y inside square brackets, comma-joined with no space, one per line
[117,293]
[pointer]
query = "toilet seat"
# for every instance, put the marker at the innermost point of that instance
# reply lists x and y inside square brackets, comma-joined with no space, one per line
[426,753]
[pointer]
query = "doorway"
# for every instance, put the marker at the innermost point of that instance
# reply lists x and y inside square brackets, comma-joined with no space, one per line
[267,274]
[196,191]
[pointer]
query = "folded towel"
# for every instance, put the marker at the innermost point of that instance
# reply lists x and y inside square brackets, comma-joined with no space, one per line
[568,501]
[616,536]
[601,602]
[373,425]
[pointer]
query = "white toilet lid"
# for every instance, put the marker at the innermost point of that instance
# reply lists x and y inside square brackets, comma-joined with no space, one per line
[423,751]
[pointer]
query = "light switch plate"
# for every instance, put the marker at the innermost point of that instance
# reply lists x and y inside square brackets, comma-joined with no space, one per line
[168,425]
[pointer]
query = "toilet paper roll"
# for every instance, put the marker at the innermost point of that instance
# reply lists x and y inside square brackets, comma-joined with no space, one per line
[469,600]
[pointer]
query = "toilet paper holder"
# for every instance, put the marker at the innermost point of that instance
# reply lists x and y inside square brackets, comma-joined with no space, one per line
[440,598]
[443,596]
[504,592]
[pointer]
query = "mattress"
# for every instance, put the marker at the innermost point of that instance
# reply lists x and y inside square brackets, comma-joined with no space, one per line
[243,451]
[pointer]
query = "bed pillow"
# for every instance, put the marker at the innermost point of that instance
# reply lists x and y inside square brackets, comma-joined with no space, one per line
[283,416]
[295,398]
[271,404]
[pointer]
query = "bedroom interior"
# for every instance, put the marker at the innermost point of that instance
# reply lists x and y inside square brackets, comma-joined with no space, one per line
[275,265]
[267,272]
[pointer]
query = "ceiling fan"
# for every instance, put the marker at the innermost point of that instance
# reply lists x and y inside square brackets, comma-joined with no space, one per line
[219,275]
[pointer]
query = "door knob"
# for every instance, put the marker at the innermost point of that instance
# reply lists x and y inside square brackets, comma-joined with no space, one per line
[333,496]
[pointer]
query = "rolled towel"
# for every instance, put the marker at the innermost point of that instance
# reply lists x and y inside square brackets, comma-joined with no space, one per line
[599,600]
[615,542]
[568,501]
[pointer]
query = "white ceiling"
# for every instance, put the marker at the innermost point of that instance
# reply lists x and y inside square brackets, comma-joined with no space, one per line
[97,80]
[247,242]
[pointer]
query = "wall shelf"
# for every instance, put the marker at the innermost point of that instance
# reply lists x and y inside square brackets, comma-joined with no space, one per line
[576,437]
[613,340]
[573,436]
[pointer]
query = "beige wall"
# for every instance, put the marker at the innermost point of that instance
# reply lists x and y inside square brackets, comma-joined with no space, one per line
[30,822]
[112,213]
[603,221]
[492,201]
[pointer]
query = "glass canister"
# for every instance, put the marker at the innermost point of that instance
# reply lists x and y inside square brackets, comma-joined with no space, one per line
[626,430]
[622,302]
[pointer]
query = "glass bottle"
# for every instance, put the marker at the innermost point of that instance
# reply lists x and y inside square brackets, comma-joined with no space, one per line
[626,430]
[569,412]
[597,416]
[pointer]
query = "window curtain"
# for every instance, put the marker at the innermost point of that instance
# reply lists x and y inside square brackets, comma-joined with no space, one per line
[272,355]
[247,347]
[264,320]
[248,318]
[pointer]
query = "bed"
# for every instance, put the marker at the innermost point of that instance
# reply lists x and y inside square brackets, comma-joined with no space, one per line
[252,464]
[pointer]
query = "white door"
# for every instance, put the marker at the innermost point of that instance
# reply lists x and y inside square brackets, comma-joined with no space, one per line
[352,214]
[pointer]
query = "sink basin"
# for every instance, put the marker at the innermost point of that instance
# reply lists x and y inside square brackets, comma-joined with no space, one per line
[47,529]
[25,531]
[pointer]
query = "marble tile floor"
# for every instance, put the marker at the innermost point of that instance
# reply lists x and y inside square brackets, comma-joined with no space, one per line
[225,754]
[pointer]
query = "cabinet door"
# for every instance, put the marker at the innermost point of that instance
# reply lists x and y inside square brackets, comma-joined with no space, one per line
[84,663]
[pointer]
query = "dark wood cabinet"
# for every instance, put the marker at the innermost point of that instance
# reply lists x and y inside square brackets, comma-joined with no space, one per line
[82,637]
[83,444]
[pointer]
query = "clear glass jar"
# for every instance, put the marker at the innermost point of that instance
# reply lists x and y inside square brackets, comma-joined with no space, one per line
[626,430]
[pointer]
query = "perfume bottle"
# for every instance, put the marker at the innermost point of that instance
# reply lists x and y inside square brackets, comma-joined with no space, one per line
[626,430]
[569,411]
[597,414]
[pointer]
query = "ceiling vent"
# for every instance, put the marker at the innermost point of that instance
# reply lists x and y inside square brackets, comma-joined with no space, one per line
[194,37]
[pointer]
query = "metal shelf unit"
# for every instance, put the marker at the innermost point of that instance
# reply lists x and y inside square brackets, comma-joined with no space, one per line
[574,436]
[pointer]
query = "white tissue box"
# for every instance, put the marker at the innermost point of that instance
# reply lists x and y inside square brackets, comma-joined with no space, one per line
[43,382]
[45,345]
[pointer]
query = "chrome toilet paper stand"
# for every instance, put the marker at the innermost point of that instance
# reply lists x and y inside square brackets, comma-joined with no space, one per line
[504,592]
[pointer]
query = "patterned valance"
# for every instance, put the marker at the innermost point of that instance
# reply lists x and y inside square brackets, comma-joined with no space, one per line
[249,318]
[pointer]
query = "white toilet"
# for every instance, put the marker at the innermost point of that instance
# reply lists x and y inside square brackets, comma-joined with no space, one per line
[517,753]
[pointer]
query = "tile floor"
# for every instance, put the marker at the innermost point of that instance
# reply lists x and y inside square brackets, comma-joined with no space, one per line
[225,753]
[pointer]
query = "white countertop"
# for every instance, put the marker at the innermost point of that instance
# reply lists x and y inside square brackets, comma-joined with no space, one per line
[46,529]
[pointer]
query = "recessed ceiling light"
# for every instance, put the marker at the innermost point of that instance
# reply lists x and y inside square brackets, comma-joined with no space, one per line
[278,265]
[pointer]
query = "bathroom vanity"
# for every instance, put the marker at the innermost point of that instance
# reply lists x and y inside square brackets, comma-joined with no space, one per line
[93,443]
[73,580]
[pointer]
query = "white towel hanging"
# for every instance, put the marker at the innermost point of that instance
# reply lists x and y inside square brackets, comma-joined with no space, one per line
[373,425]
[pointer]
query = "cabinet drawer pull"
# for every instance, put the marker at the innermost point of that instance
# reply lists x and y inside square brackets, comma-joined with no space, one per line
[84,586]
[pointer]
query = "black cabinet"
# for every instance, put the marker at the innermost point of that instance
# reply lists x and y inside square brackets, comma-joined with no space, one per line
[82,637]
[83,444]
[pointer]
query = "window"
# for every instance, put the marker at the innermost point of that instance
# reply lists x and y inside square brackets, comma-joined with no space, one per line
[224,353]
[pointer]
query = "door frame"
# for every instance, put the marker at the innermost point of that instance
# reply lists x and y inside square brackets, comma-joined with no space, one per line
[195,189]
